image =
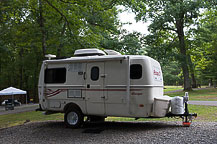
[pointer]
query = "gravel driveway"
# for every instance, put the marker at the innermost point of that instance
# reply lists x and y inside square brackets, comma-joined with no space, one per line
[111,132]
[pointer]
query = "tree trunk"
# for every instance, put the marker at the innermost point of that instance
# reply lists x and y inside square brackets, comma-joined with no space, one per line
[194,83]
[21,68]
[35,98]
[210,82]
[27,85]
[42,27]
[0,64]
[184,62]
[61,43]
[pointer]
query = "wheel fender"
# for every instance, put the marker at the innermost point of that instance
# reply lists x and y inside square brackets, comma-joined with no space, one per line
[71,106]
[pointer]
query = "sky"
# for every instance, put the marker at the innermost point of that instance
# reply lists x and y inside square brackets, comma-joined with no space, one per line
[128,16]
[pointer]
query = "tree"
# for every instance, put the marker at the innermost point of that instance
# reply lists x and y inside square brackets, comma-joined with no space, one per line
[171,73]
[124,42]
[30,29]
[204,52]
[171,16]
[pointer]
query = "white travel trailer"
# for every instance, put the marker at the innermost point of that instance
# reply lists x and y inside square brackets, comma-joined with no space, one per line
[97,85]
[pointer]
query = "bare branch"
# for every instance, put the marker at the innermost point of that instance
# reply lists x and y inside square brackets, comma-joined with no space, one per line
[65,18]
[68,2]
[168,28]
[59,13]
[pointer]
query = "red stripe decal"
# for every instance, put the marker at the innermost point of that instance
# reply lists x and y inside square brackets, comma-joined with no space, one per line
[112,89]
[50,93]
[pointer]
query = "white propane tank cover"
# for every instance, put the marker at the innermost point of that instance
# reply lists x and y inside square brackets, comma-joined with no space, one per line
[177,105]
[161,106]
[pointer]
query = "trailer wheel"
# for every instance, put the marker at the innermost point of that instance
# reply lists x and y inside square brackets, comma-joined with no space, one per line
[73,118]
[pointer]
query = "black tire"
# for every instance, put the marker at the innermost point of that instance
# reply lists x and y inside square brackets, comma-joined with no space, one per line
[73,118]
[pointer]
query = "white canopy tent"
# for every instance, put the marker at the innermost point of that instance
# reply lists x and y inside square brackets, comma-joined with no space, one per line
[13,91]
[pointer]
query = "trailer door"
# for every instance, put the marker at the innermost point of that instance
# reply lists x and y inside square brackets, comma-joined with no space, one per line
[95,98]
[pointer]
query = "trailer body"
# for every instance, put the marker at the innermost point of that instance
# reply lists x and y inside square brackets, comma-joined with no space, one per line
[107,85]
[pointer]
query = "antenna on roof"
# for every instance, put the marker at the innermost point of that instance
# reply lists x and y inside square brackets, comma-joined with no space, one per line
[49,56]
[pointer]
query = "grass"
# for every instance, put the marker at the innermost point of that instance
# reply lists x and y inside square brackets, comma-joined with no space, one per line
[21,118]
[172,88]
[209,94]
[205,113]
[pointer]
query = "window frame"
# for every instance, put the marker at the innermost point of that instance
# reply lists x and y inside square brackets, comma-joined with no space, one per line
[55,81]
[91,73]
[133,75]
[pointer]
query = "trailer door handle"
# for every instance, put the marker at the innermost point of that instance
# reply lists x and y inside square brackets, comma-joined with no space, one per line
[103,75]
[102,96]
[84,75]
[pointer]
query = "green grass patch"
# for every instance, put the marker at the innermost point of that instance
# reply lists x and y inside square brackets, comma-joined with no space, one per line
[205,113]
[208,94]
[172,88]
[20,118]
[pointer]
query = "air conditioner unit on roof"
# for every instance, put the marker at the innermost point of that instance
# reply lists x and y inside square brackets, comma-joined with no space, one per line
[89,52]
[112,52]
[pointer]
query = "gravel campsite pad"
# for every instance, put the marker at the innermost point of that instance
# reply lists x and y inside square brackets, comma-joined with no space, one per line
[111,132]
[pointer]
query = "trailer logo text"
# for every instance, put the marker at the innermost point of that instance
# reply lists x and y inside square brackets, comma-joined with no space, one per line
[157,74]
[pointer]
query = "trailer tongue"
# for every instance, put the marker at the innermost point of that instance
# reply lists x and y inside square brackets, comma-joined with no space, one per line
[186,116]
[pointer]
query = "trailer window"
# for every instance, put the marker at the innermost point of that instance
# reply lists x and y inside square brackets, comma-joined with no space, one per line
[55,75]
[135,71]
[94,73]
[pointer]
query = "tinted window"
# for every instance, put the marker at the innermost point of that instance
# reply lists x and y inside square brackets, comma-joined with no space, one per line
[94,73]
[55,75]
[135,71]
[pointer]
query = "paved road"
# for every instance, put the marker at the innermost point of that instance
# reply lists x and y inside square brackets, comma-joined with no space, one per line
[207,103]
[19,109]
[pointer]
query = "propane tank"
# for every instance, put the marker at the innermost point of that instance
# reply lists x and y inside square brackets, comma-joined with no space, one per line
[177,105]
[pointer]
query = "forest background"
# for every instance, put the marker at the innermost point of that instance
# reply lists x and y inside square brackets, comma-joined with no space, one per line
[182,36]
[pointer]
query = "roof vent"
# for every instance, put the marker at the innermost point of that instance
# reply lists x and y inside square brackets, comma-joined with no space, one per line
[89,52]
[112,52]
